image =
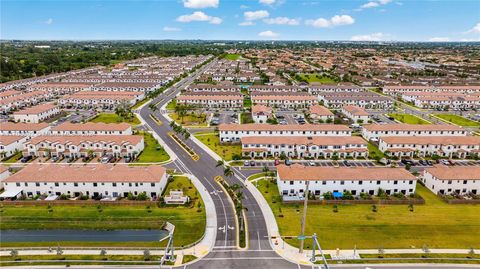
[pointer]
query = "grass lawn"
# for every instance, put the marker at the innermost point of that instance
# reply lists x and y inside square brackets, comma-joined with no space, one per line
[80,260]
[232,57]
[435,224]
[373,152]
[190,119]
[316,78]
[183,183]
[225,151]
[138,104]
[459,120]
[407,118]
[172,104]
[247,102]
[246,117]
[153,151]
[14,158]
[114,118]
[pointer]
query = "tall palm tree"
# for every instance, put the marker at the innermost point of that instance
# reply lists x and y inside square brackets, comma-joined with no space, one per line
[220,163]
[228,172]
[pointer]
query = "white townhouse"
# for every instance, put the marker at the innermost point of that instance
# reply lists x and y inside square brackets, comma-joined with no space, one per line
[452,179]
[337,100]
[320,89]
[292,180]
[274,88]
[284,101]
[234,132]
[261,113]
[304,146]
[9,93]
[356,114]
[144,87]
[93,180]
[36,114]
[370,131]
[92,128]
[4,173]
[318,112]
[212,88]
[100,99]
[465,102]
[10,144]
[81,146]
[399,89]
[212,101]
[422,146]
[28,130]
[24,100]
[60,88]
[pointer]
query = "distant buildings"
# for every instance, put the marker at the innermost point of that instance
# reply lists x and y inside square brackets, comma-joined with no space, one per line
[261,113]
[356,114]
[452,180]
[36,114]
[374,131]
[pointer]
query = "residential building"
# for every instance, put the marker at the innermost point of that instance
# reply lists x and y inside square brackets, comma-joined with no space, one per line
[318,112]
[292,180]
[105,100]
[24,129]
[92,128]
[284,101]
[261,113]
[11,144]
[423,146]
[234,132]
[452,179]
[93,180]
[212,101]
[4,173]
[375,131]
[304,146]
[356,114]
[36,114]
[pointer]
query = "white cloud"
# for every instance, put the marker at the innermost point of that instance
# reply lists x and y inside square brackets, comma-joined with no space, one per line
[374,3]
[370,5]
[469,40]
[336,20]
[247,23]
[200,3]
[475,29]
[243,6]
[199,16]
[439,39]
[255,15]
[171,29]
[282,21]
[268,34]
[370,37]
[49,21]
[267,2]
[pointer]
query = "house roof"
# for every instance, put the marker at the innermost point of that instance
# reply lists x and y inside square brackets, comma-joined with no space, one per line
[303,140]
[287,127]
[412,127]
[435,140]
[455,172]
[91,126]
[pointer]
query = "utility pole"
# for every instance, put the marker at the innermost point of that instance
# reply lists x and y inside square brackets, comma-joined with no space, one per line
[304,218]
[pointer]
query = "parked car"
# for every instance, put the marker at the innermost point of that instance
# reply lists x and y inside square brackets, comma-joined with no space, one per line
[55,159]
[346,163]
[384,161]
[288,162]
[277,162]
[423,162]
[252,163]
[246,163]
[26,159]
[429,162]
[106,159]
[311,163]
[407,161]
[445,162]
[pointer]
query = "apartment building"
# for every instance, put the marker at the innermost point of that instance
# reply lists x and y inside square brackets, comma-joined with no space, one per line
[80,146]
[356,114]
[261,113]
[284,101]
[318,112]
[452,179]
[100,99]
[324,88]
[234,132]
[304,146]
[274,88]
[212,101]
[337,100]
[143,87]
[10,144]
[292,180]
[375,131]
[422,146]
[36,114]
[93,180]
[212,88]
[28,130]
[399,89]
[24,99]
[92,128]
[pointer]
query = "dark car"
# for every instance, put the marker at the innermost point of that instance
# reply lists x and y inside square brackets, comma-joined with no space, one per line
[277,162]
[422,162]
[252,163]
[26,159]
[288,162]
[407,161]
[429,162]
[346,163]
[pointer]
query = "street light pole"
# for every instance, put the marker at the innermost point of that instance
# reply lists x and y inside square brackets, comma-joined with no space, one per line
[304,217]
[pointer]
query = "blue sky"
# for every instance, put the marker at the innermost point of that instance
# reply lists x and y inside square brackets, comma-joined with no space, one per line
[401,20]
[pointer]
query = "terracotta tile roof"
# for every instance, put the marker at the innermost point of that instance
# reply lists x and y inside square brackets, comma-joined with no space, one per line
[287,127]
[78,139]
[436,140]
[9,139]
[355,110]
[91,126]
[87,173]
[3,168]
[10,126]
[210,97]
[261,109]
[36,109]
[320,110]
[300,172]
[412,127]
[303,140]
[455,172]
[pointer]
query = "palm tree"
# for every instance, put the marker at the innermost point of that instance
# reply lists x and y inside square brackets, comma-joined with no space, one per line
[265,170]
[228,172]
[220,163]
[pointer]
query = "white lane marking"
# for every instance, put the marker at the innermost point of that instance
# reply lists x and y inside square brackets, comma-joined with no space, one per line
[258,238]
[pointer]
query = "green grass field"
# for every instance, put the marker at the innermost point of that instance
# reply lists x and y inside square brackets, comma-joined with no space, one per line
[190,119]
[114,118]
[171,105]
[152,152]
[246,117]
[183,183]
[435,224]
[14,158]
[213,142]
[373,152]
[232,57]
[407,118]
[458,120]
[316,78]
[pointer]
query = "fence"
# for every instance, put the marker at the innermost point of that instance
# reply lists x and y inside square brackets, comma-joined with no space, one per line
[77,203]
[409,201]
[459,201]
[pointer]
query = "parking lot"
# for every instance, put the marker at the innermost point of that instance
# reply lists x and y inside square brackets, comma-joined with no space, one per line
[286,117]
[224,117]
[324,163]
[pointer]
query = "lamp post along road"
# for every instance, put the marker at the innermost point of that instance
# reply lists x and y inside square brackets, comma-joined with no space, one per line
[304,217]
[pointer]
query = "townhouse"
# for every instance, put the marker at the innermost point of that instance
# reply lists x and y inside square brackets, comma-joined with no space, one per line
[100,99]
[399,89]
[212,88]
[447,180]
[72,146]
[324,88]
[337,100]
[28,130]
[60,88]
[292,180]
[93,180]
[36,114]
[318,112]
[422,146]
[24,99]
[274,88]
[144,87]
[4,173]
[283,100]
[356,114]
[11,144]
[212,100]
[91,128]
[439,102]
[304,146]
[374,131]
[234,132]
[261,113]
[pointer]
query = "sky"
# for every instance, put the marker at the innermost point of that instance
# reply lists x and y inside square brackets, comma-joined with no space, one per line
[357,20]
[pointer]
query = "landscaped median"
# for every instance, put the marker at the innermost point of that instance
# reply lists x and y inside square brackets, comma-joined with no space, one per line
[226,151]
[409,119]
[458,120]
[182,144]
[434,224]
